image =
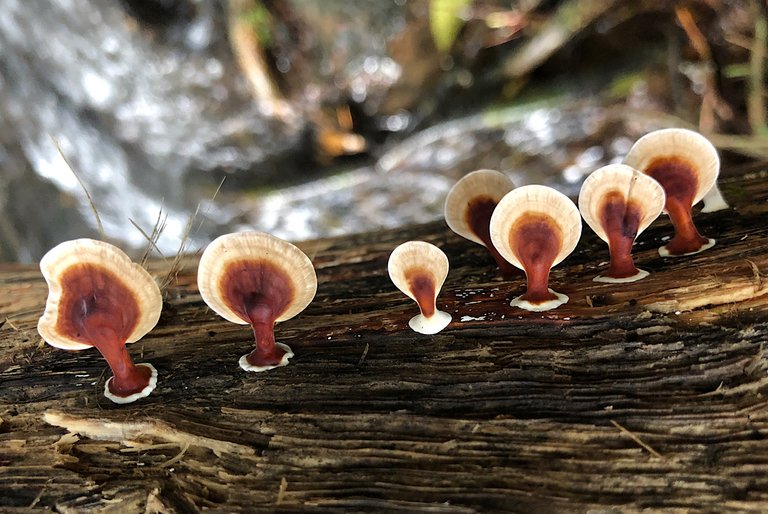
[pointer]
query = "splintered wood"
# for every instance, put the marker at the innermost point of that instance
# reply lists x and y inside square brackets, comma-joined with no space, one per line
[637,396]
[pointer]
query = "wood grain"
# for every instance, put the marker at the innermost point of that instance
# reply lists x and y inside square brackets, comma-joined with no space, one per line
[635,396]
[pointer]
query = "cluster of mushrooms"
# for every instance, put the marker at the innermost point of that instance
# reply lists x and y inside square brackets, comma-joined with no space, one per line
[533,228]
[99,297]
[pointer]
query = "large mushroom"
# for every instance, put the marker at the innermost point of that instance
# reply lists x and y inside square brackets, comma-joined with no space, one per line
[619,202]
[419,269]
[99,297]
[535,228]
[254,278]
[686,165]
[469,206]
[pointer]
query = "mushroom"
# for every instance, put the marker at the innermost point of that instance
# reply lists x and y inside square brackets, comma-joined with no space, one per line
[468,209]
[619,202]
[418,269]
[714,201]
[99,297]
[534,228]
[686,165]
[254,278]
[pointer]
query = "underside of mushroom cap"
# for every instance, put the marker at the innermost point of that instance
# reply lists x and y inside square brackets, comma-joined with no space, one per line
[536,202]
[246,263]
[95,272]
[470,198]
[639,195]
[679,149]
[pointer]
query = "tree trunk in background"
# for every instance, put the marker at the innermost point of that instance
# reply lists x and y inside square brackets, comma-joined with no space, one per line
[643,395]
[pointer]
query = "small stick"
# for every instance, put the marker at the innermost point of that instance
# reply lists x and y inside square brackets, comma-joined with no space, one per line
[281,490]
[176,266]
[151,239]
[362,357]
[177,458]
[637,440]
[85,189]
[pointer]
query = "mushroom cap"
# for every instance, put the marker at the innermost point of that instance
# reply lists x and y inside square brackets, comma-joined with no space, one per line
[257,247]
[677,143]
[116,264]
[478,184]
[536,201]
[417,256]
[643,192]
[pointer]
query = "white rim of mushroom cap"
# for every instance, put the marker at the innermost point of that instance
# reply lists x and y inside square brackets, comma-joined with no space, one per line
[413,254]
[633,185]
[258,246]
[491,183]
[539,200]
[681,143]
[89,251]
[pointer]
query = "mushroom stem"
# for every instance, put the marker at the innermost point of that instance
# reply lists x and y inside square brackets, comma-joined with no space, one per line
[127,379]
[267,353]
[622,264]
[687,239]
[423,288]
[507,270]
[479,219]
[537,290]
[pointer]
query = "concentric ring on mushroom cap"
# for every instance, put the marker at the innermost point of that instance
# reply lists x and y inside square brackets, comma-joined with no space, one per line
[682,144]
[490,183]
[89,251]
[541,200]
[633,185]
[421,255]
[257,246]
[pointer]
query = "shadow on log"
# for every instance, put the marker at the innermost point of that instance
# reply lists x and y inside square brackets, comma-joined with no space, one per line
[643,395]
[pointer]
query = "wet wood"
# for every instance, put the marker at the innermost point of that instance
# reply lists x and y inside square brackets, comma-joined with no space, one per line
[635,396]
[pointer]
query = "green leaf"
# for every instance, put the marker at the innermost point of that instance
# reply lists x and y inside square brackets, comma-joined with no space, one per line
[445,22]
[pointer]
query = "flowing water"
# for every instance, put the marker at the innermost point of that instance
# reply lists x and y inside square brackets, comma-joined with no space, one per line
[151,117]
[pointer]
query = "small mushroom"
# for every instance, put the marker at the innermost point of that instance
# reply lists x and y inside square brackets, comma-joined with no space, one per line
[619,202]
[535,228]
[686,165]
[419,269]
[469,206]
[254,278]
[98,297]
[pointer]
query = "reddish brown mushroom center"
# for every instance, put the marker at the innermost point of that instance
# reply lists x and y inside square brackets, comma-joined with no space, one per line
[680,182]
[478,219]
[422,285]
[620,219]
[97,308]
[536,239]
[258,291]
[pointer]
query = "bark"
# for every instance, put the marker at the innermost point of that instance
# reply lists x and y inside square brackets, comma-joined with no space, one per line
[641,395]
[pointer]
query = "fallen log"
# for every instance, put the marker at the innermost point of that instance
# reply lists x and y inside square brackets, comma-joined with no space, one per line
[644,395]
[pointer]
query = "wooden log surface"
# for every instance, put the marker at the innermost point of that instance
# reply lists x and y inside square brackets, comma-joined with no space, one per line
[644,395]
